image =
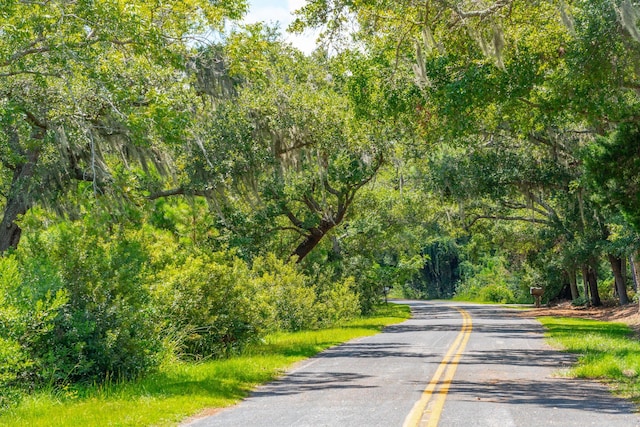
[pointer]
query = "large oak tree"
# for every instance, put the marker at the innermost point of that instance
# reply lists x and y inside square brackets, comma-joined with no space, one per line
[86,83]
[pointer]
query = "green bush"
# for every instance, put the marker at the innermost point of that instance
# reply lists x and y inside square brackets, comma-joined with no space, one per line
[489,281]
[367,280]
[339,302]
[28,315]
[288,299]
[466,291]
[89,301]
[580,301]
[496,293]
[13,361]
[206,302]
[606,289]
[106,325]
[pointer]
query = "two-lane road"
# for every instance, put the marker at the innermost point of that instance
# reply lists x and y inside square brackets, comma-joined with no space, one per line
[450,365]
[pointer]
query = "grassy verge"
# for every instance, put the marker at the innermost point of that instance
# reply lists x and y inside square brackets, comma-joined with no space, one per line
[179,390]
[607,351]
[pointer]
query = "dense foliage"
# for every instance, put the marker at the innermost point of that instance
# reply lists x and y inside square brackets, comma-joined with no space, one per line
[82,303]
[168,196]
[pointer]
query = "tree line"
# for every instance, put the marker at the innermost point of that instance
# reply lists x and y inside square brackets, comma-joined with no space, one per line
[167,192]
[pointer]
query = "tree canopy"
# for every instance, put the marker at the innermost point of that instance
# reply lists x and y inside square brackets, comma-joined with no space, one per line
[210,183]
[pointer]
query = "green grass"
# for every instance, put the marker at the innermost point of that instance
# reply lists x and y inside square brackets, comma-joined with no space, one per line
[607,351]
[181,389]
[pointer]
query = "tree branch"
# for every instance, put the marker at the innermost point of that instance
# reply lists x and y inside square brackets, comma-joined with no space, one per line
[379,160]
[29,50]
[311,203]
[329,188]
[514,205]
[294,220]
[33,120]
[551,213]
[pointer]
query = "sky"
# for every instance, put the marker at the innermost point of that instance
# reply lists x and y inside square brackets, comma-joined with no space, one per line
[279,11]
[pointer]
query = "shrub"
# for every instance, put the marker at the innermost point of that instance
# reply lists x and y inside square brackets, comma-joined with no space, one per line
[13,363]
[496,293]
[284,292]
[368,283]
[486,282]
[339,302]
[580,301]
[27,318]
[106,327]
[206,303]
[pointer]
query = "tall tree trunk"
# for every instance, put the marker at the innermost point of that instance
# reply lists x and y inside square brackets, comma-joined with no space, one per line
[10,232]
[565,290]
[635,270]
[633,263]
[18,202]
[573,283]
[307,245]
[314,235]
[618,274]
[585,283]
[593,284]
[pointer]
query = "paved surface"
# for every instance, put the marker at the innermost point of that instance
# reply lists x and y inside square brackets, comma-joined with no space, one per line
[505,376]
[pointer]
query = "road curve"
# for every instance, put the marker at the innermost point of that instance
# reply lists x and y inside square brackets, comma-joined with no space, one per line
[449,365]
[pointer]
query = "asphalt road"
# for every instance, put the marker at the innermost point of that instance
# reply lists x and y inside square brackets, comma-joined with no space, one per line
[450,365]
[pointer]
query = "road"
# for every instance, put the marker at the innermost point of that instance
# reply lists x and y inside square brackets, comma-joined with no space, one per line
[450,365]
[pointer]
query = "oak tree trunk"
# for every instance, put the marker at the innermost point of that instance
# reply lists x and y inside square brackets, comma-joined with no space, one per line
[620,283]
[635,270]
[314,236]
[573,283]
[307,245]
[585,283]
[10,232]
[18,202]
[592,278]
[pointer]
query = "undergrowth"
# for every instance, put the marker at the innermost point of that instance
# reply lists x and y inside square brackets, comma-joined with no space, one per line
[180,389]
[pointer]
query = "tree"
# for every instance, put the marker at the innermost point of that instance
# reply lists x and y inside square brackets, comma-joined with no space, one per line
[82,86]
[281,152]
[614,165]
[541,77]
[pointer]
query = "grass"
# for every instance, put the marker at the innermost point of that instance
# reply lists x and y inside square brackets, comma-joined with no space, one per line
[607,351]
[179,389]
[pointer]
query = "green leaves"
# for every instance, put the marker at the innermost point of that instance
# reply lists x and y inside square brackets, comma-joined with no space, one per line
[85,86]
[614,166]
[283,147]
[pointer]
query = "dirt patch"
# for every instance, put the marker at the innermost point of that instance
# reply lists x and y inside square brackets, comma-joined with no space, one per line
[627,314]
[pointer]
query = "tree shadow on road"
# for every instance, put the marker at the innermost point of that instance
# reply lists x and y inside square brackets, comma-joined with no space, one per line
[303,382]
[549,392]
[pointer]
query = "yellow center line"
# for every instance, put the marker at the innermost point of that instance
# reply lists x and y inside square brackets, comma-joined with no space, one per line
[419,415]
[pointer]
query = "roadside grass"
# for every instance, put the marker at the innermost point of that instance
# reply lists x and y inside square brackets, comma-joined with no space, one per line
[607,351]
[179,390]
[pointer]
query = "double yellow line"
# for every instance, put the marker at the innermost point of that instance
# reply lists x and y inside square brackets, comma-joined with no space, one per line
[424,413]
